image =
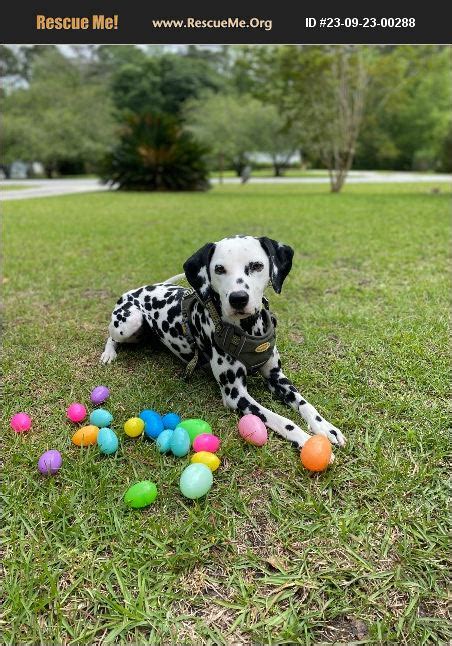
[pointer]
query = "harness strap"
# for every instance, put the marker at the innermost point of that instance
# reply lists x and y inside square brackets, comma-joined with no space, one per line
[253,351]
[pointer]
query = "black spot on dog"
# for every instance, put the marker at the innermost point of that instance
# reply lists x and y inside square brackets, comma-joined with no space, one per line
[247,270]
[289,427]
[318,418]
[156,315]
[227,390]
[231,376]
[234,393]
[116,323]
[239,281]
[219,361]
[222,379]
[158,304]
[137,292]
[165,326]
[172,313]
[302,402]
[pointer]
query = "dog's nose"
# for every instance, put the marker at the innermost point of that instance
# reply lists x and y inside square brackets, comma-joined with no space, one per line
[238,300]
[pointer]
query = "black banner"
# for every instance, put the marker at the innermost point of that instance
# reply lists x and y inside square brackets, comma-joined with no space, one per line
[173,21]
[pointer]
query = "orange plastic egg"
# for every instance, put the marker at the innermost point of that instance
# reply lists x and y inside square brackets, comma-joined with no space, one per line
[86,435]
[316,453]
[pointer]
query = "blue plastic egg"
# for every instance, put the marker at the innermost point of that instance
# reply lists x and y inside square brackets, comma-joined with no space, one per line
[107,441]
[171,420]
[180,442]
[100,417]
[152,423]
[164,440]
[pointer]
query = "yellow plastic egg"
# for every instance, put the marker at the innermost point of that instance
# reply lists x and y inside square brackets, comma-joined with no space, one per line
[86,435]
[134,427]
[209,459]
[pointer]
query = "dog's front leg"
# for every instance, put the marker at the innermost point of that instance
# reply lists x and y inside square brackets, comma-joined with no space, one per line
[231,377]
[280,386]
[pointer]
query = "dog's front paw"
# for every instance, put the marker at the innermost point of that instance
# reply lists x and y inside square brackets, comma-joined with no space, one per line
[108,355]
[331,432]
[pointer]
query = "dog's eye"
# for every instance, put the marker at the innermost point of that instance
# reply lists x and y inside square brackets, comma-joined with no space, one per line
[256,266]
[219,269]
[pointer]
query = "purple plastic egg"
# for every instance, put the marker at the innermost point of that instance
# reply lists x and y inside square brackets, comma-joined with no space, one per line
[206,442]
[99,394]
[50,462]
[253,430]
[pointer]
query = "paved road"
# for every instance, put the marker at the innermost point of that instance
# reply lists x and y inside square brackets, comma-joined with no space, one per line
[47,188]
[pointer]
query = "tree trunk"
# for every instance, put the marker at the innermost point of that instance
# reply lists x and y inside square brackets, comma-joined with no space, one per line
[220,167]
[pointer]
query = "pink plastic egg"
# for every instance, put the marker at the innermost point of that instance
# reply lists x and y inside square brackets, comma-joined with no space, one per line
[206,442]
[76,412]
[253,430]
[20,422]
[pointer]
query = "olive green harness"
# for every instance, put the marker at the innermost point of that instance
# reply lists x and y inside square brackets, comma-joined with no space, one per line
[252,351]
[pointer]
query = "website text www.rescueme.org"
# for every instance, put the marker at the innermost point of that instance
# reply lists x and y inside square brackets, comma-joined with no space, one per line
[212,23]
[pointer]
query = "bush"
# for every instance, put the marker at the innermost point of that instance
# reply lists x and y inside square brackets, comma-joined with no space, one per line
[154,153]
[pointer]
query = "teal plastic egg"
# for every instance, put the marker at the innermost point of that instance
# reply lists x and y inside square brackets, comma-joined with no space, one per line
[141,494]
[195,481]
[195,427]
[164,440]
[180,442]
[101,418]
[107,441]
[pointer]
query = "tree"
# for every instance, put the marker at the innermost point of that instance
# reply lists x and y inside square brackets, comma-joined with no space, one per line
[321,93]
[154,153]
[274,137]
[59,117]
[161,84]
[227,125]
[409,108]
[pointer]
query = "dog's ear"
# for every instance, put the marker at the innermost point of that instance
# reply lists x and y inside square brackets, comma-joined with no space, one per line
[196,269]
[280,256]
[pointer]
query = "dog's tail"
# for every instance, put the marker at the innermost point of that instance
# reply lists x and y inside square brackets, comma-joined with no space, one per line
[174,279]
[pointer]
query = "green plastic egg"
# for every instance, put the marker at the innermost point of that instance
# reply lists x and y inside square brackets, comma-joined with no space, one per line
[195,481]
[140,494]
[195,427]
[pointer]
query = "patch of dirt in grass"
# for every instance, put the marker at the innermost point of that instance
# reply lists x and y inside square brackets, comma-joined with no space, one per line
[343,630]
[219,618]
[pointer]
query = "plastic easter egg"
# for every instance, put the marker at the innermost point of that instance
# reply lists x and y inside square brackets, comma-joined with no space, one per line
[164,440]
[195,481]
[141,494]
[101,417]
[195,427]
[180,442]
[253,430]
[99,394]
[107,441]
[170,420]
[20,422]
[134,427]
[153,425]
[50,462]
[206,442]
[316,453]
[204,457]
[76,412]
[86,436]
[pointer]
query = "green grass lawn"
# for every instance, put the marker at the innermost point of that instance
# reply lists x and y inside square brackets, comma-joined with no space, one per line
[15,187]
[272,555]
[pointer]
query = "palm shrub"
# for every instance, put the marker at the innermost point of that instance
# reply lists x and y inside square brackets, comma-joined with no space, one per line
[154,153]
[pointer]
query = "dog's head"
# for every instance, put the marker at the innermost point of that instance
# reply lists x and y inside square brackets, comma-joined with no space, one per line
[238,270]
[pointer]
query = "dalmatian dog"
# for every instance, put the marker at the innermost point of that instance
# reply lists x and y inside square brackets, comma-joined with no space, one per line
[233,274]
